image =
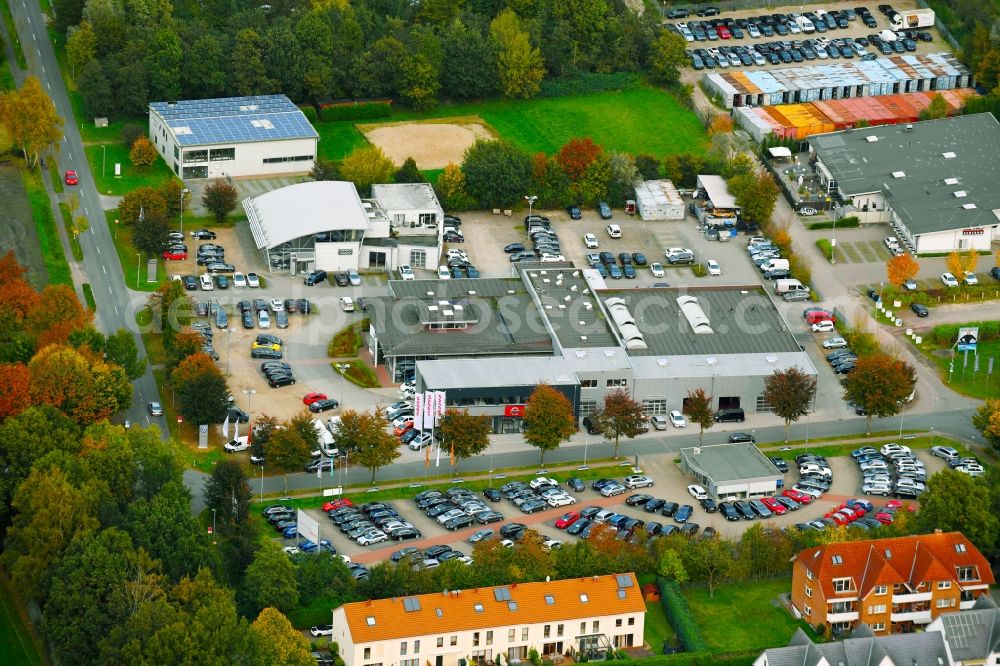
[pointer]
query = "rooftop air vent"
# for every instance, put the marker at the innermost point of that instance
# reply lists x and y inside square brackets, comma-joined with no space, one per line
[949,155]
[871,139]
[969,206]
[908,128]
[899,174]
[951,181]
[960,194]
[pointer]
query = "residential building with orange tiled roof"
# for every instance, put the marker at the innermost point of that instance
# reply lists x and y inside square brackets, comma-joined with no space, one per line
[891,585]
[589,615]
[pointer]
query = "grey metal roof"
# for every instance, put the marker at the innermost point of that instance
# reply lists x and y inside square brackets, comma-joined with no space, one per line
[918,649]
[406,196]
[224,120]
[744,321]
[398,326]
[921,198]
[434,289]
[526,371]
[569,305]
[303,209]
[730,462]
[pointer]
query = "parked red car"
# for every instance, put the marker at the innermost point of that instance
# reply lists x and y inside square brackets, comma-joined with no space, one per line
[175,255]
[801,498]
[71,178]
[776,507]
[310,398]
[567,519]
[336,504]
[723,32]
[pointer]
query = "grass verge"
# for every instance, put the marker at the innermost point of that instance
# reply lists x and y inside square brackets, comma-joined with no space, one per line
[88,296]
[8,18]
[54,175]
[48,233]
[74,240]
[357,372]
[17,641]
[657,630]
[135,277]
[964,378]
[545,124]
[772,624]
[921,442]
[345,343]
[103,157]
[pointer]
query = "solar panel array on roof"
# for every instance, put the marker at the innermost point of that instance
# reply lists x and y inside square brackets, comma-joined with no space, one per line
[234,120]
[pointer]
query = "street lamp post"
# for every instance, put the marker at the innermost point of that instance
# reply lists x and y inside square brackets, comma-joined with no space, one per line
[138,267]
[531,199]
[933,419]
[250,392]
[184,193]
[833,241]
[213,526]
[104,158]
[229,335]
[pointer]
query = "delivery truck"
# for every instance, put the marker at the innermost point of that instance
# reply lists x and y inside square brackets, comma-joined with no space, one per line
[911,19]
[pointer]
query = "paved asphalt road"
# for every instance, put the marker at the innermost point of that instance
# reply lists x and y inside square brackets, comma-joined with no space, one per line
[116,306]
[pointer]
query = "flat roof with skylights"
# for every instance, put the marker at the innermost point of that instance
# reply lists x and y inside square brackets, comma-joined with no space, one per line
[569,305]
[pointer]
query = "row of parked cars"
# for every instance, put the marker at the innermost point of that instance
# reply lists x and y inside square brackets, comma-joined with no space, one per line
[766,256]
[370,523]
[769,25]
[458,266]
[456,508]
[546,245]
[890,470]
[537,495]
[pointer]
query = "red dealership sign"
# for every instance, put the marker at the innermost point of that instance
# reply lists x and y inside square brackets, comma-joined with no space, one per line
[514,410]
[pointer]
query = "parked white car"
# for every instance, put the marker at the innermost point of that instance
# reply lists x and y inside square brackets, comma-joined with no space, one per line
[697,492]
[834,343]
[824,326]
[614,231]
[893,447]
[948,280]
[444,273]
[236,445]
[657,270]
[713,267]
[540,481]
[970,278]
[239,280]
[347,304]
[406,273]
[658,421]
[590,240]
[677,419]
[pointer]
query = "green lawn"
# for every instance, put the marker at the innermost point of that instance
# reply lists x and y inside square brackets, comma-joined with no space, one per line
[971,383]
[657,629]
[135,277]
[17,643]
[743,616]
[103,167]
[639,120]
[48,233]
[833,450]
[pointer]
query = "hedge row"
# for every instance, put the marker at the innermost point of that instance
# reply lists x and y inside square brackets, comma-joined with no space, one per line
[310,113]
[355,111]
[825,247]
[851,222]
[679,614]
[588,82]
[946,334]
[693,659]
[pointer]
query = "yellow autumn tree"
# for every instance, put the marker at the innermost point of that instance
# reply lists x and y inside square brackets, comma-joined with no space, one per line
[31,121]
[901,268]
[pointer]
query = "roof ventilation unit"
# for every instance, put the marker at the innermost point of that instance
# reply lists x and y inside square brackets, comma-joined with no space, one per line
[961,194]
[949,155]
[908,128]
[871,139]
[899,174]
[951,181]
[969,206]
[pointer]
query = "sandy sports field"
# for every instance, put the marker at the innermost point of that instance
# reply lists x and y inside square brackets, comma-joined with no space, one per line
[432,144]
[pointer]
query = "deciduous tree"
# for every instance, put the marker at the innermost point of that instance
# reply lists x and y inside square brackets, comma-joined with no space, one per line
[901,268]
[408,173]
[228,492]
[879,384]
[790,394]
[464,434]
[648,166]
[624,175]
[263,426]
[972,516]
[287,452]
[971,260]
[81,46]
[548,420]
[756,194]
[146,200]
[987,421]
[576,155]
[365,436]
[671,566]
[15,389]
[469,70]
[366,167]
[451,185]
[955,265]
[709,560]
[325,170]
[120,349]
[83,388]
[420,84]
[938,108]
[247,73]
[201,390]
[497,173]
[55,315]
[164,527]
[30,118]
[142,153]
[17,296]
[720,124]
[668,57]
[219,198]
[519,64]
[275,641]
[621,417]
[269,581]
[698,408]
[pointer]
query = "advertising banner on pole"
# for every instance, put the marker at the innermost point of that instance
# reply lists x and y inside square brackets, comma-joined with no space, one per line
[968,337]
[439,404]
[418,411]
[308,527]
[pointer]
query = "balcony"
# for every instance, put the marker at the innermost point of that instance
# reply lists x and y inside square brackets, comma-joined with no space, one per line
[842,617]
[910,596]
[966,605]
[918,617]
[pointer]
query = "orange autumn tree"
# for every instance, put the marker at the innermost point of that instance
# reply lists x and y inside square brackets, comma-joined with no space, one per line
[901,268]
[576,156]
[82,387]
[15,389]
[57,314]
[17,296]
[955,265]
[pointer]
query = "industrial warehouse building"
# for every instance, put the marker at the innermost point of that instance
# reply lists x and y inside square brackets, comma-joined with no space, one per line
[730,471]
[233,137]
[798,121]
[658,200]
[325,225]
[487,343]
[935,182]
[882,76]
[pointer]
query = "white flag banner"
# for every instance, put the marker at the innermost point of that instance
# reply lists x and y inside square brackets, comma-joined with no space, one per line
[439,403]
[236,427]
[225,427]
[418,411]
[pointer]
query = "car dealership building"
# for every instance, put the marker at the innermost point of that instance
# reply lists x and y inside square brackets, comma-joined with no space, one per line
[487,343]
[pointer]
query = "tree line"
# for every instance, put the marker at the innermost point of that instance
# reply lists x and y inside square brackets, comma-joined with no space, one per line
[124,54]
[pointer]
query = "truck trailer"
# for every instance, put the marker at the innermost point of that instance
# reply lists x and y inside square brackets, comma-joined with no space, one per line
[912,18]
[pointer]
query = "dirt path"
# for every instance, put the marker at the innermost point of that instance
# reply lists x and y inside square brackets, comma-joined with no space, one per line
[431,145]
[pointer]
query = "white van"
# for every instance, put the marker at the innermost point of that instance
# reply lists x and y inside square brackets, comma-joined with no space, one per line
[774,264]
[326,441]
[805,25]
[785,286]
[333,423]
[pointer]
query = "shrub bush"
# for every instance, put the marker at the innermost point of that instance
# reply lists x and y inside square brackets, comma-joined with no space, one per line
[946,334]
[345,343]
[824,246]
[699,270]
[800,269]
[361,374]
[309,112]
[582,83]
[679,614]
[129,133]
[851,222]
[355,111]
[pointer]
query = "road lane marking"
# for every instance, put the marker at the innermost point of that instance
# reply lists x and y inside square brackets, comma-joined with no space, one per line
[116,311]
[105,269]
[98,248]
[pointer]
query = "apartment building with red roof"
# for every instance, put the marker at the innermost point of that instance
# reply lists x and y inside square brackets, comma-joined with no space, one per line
[892,585]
